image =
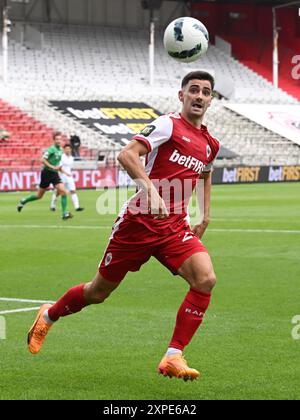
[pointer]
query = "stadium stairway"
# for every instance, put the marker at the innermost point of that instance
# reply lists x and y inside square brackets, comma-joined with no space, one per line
[256,53]
[293,88]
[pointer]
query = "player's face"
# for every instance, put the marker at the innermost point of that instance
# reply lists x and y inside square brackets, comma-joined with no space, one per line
[58,141]
[196,97]
[68,151]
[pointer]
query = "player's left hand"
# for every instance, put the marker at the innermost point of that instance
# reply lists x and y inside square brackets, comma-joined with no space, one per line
[200,228]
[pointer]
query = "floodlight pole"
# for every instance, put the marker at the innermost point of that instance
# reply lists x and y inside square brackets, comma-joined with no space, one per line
[275,50]
[151,48]
[5,42]
[275,40]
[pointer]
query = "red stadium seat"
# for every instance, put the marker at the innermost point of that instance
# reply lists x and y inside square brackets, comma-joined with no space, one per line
[28,139]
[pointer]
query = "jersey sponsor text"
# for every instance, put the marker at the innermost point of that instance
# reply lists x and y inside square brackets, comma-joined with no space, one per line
[187,161]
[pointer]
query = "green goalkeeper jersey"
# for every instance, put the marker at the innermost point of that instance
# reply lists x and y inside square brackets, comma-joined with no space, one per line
[53,156]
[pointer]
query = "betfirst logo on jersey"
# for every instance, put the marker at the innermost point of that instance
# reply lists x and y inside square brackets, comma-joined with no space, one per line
[187,161]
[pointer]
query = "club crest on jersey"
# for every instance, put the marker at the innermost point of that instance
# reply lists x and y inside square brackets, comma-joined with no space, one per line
[108,259]
[208,151]
[148,130]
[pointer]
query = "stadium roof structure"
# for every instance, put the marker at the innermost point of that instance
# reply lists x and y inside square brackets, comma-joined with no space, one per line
[266,2]
[259,2]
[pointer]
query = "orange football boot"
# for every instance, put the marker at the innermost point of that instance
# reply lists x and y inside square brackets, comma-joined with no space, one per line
[176,366]
[38,331]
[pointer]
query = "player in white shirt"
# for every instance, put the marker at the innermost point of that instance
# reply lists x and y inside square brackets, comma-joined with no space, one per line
[67,162]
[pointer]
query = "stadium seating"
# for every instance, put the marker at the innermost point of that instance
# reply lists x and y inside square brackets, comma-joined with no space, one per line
[27,139]
[254,144]
[101,63]
[98,57]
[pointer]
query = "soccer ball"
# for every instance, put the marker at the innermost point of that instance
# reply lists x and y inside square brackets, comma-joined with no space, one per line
[186,39]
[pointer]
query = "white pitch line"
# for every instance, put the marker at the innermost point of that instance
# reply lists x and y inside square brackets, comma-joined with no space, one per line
[235,219]
[14,311]
[53,227]
[3,299]
[255,231]
[277,231]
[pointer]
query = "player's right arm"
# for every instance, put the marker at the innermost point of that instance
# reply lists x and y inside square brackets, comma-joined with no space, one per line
[147,141]
[129,158]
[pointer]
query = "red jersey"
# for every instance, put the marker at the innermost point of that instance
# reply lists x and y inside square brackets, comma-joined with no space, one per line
[178,154]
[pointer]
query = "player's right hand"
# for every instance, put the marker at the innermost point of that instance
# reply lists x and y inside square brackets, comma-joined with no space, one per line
[156,204]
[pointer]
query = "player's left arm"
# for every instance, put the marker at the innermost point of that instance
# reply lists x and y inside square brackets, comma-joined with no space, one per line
[200,228]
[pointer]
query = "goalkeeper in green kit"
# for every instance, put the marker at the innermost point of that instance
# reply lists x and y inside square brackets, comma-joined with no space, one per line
[50,175]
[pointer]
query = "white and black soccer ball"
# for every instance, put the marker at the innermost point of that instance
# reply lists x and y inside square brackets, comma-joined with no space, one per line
[186,39]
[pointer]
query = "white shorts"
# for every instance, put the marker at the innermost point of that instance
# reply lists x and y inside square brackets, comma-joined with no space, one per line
[68,182]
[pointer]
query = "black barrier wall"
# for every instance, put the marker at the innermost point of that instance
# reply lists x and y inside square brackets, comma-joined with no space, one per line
[118,120]
[112,177]
[256,174]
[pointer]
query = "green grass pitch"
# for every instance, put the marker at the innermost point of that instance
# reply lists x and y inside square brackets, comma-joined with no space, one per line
[244,349]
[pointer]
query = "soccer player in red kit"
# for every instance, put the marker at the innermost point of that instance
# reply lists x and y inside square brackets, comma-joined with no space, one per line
[178,148]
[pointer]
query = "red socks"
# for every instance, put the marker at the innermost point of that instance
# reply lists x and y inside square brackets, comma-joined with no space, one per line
[189,318]
[70,303]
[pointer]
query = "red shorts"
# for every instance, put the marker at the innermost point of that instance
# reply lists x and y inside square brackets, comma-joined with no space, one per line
[133,244]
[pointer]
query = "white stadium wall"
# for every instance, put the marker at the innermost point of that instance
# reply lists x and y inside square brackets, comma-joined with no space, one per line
[126,13]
